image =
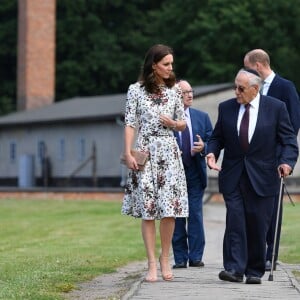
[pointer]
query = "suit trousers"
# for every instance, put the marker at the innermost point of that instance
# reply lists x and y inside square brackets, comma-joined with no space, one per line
[189,239]
[248,217]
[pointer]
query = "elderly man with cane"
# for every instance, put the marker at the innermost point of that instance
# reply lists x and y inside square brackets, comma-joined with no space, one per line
[284,90]
[248,128]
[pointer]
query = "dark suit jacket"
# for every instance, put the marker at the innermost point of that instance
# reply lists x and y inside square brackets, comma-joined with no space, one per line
[261,161]
[201,125]
[285,91]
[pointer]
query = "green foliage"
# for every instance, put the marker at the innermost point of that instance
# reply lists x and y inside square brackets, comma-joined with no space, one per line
[96,46]
[101,44]
[211,37]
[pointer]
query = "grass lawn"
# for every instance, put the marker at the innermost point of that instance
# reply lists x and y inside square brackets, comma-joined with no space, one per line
[48,246]
[289,251]
[290,236]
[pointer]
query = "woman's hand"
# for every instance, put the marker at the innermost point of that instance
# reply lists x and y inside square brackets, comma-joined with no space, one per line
[166,121]
[131,162]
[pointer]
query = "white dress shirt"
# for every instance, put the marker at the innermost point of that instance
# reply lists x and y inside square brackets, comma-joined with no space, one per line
[267,83]
[253,112]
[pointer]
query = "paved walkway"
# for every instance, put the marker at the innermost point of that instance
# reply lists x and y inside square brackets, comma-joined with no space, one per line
[203,283]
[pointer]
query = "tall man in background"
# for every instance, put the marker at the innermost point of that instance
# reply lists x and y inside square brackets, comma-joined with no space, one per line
[189,238]
[284,90]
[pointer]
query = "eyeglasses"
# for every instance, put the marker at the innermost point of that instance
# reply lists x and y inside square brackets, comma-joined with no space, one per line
[188,92]
[241,89]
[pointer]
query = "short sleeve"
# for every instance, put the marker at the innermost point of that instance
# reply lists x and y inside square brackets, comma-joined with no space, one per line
[131,105]
[179,107]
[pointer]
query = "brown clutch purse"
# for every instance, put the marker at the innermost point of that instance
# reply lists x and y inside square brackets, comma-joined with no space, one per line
[140,157]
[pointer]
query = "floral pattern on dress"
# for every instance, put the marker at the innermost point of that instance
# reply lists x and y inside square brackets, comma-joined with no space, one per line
[160,189]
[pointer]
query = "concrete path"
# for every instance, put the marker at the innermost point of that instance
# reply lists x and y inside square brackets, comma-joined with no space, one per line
[203,283]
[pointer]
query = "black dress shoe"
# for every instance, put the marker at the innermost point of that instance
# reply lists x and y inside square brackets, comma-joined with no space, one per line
[253,280]
[269,265]
[230,276]
[197,263]
[179,266]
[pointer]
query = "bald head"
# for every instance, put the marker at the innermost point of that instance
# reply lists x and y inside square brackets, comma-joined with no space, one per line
[258,60]
[258,55]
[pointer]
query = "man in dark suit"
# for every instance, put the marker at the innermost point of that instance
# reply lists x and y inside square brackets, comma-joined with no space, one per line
[248,128]
[188,238]
[284,90]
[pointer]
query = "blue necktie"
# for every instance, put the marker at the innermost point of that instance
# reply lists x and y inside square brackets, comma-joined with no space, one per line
[244,129]
[186,146]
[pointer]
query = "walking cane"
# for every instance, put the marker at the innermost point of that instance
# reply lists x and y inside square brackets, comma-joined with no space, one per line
[276,227]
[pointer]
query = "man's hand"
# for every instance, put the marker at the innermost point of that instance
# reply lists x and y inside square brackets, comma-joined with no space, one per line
[284,170]
[211,162]
[198,146]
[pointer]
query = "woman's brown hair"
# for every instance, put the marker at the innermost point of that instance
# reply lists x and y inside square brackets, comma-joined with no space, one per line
[147,78]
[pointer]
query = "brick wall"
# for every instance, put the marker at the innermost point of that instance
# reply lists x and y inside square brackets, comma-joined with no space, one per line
[36,53]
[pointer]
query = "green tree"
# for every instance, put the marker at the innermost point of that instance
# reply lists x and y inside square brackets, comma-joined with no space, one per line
[100,44]
[211,37]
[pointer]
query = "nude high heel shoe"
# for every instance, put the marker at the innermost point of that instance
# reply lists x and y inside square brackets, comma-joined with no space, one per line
[152,272]
[165,269]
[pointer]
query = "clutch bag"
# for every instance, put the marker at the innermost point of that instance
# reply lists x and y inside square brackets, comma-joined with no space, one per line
[140,157]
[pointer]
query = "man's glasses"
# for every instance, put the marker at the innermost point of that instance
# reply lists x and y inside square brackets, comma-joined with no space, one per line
[241,89]
[188,92]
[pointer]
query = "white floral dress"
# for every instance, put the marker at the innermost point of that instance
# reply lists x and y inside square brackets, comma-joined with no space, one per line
[160,189]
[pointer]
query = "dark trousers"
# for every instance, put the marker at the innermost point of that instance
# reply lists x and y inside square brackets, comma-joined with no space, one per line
[271,232]
[248,217]
[189,239]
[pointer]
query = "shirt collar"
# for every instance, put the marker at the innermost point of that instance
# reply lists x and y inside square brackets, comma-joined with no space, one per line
[270,78]
[187,112]
[255,102]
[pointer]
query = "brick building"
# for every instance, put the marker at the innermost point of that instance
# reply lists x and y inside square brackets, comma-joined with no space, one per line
[36,53]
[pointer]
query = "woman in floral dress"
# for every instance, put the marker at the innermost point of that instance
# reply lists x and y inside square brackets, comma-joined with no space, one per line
[154,109]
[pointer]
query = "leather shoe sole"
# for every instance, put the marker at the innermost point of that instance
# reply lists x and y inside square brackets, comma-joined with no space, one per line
[179,266]
[196,263]
[229,276]
[253,280]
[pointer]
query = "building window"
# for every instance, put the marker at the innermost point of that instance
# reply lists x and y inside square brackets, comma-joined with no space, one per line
[62,149]
[41,150]
[12,152]
[81,149]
